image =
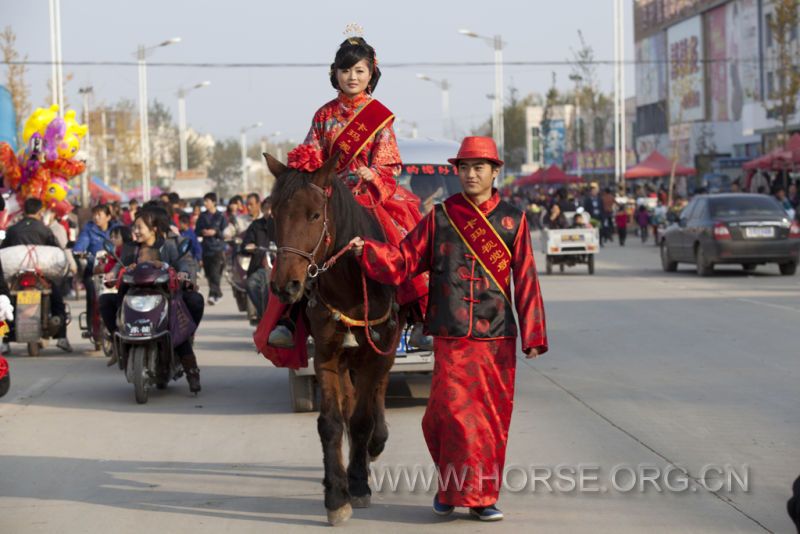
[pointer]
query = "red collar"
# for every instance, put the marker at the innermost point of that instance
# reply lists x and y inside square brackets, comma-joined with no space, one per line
[489,205]
[354,102]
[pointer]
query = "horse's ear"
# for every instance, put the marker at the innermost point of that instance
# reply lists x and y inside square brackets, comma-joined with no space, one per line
[275,167]
[325,174]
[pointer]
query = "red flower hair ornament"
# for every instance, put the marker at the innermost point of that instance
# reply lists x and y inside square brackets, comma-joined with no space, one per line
[305,158]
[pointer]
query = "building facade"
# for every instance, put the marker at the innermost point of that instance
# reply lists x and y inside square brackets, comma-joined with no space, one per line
[705,75]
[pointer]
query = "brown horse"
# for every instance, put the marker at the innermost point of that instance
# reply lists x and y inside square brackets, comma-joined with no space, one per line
[316,216]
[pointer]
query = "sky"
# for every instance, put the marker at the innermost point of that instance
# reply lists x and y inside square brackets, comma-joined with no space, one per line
[309,31]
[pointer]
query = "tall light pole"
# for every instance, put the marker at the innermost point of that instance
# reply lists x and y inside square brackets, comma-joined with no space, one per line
[55,54]
[264,139]
[444,85]
[620,150]
[85,92]
[244,154]
[182,120]
[577,78]
[498,132]
[144,134]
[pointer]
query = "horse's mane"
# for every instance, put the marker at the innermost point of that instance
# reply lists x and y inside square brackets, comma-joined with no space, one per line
[352,219]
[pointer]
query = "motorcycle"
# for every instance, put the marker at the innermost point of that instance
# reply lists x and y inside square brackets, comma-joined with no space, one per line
[33,322]
[92,328]
[237,265]
[144,341]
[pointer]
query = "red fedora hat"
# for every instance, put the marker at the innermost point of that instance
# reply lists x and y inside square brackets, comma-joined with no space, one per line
[477,148]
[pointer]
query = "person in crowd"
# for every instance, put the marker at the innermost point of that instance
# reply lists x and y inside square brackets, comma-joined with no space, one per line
[150,231]
[130,215]
[621,220]
[643,221]
[253,206]
[555,218]
[90,241]
[32,231]
[186,231]
[197,209]
[211,226]
[258,237]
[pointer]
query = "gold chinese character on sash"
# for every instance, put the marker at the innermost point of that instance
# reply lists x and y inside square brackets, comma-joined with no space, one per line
[503,265]
[354,135]
[360,126]
[488,247]
[345,146]
[496,256]
[477,233]
[471,223]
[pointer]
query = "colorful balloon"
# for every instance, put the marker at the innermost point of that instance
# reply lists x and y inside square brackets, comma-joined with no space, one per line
[38,121]
[56,190]
[53,137]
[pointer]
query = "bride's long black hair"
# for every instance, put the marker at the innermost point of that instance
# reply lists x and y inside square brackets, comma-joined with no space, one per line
[350,52]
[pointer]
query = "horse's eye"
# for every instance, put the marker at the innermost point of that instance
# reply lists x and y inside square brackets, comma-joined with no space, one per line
[315,216]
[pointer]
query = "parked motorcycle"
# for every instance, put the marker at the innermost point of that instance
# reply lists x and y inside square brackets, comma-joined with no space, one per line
[145,338]
[33,322]
[92,328]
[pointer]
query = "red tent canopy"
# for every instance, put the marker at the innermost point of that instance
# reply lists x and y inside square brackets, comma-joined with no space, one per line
[553,175]
[656,165]
[780,158]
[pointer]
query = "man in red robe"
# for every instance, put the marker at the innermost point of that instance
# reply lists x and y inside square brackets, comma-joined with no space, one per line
[472,245]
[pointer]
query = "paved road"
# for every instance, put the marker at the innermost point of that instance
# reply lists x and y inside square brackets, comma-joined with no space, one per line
[646,371]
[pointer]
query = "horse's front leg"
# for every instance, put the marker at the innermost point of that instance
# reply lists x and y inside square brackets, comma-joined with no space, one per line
[330,426]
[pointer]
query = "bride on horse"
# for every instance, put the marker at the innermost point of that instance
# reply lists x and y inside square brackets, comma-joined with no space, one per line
[359,127]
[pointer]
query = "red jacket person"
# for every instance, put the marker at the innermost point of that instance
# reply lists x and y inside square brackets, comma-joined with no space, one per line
[473,245]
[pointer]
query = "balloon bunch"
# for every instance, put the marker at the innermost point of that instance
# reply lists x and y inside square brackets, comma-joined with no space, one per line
[43,168]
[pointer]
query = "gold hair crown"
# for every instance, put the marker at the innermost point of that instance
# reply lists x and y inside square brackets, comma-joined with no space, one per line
[352,31]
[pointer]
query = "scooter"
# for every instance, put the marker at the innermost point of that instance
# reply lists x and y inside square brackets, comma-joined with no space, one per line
[92,328]
[144,341]
[33,321]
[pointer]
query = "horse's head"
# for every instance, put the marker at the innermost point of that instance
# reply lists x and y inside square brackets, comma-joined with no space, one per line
[304,225]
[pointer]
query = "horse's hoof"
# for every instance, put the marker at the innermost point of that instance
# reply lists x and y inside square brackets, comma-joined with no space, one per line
[361,502]
[339,516]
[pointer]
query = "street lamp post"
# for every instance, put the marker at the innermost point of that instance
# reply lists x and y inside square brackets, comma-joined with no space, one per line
[57,83]
[144,133]
[444,85]
[85,92]
[497,44]
[182,121]
[578,138]
[244,154]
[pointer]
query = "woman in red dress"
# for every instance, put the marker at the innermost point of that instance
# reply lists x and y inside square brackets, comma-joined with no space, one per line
[368,166]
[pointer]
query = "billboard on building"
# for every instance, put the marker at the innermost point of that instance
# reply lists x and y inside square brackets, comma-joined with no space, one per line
[717,52]
[555,138]
[650,16]
[686,72]
[651,70]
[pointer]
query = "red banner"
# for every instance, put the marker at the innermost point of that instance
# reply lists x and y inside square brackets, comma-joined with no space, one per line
[365,124]
[481,239]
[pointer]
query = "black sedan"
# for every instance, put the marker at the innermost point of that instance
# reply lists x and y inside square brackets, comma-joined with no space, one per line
[745,229]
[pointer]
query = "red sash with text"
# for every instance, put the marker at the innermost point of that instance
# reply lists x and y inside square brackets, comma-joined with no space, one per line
[365,124]
[481,239]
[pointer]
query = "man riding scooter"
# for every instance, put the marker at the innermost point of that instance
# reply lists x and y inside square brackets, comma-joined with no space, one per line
[256,241]
[32,231]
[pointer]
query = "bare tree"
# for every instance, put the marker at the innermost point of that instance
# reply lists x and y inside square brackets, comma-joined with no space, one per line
[16,68]
[783,26]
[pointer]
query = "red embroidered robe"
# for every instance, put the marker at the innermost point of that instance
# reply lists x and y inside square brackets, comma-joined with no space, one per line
[469,412]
